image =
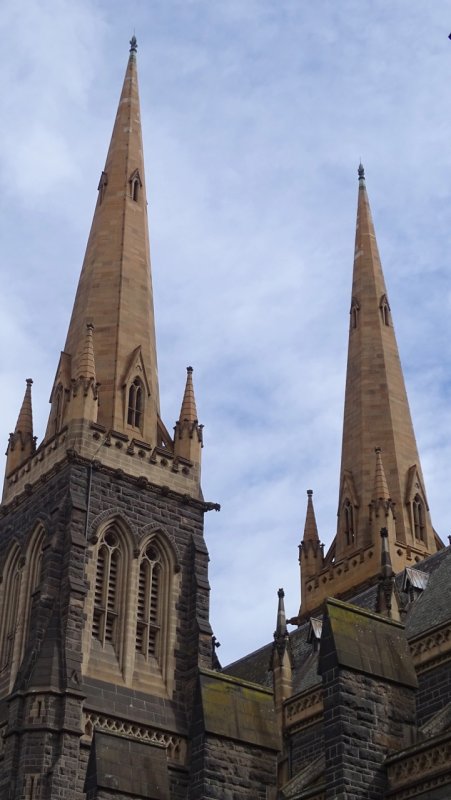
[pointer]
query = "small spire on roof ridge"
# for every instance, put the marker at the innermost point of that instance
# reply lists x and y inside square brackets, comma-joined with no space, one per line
[87,362]
[310,528]
[133,44]
[281,619]
[386,565]
[381,491]
[24,423]
[361,172]
[188,410]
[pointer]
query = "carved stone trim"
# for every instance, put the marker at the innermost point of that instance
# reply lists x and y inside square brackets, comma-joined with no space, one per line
[305,709]
[414,771]
[432,648]
[174,745]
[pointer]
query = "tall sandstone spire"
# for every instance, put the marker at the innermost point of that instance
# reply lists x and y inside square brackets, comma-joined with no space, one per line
[105,404]
[376,417]
[115,290]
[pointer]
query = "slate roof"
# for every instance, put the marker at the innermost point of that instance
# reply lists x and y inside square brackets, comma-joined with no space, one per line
[431,609]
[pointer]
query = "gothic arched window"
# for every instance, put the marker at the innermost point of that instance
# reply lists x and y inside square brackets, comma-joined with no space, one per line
[355,308]
[135,185]
[149,603]
[58,420]
[12,578]
[107,591]
[349,522]
[135,404]
[385,310]
[418,518]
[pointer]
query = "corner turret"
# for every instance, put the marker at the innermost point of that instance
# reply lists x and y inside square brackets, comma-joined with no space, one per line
[22,443]
[188,434]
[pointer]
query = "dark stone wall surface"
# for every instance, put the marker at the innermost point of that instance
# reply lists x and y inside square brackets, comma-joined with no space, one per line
[42,744]
[228,770]
[434,691]
[305,746]
[364,718]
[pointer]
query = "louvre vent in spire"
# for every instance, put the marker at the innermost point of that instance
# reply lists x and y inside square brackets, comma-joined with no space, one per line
[385,310]
[135,183]
[355,308]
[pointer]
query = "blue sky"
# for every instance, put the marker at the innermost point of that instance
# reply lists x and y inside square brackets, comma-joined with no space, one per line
[255,116]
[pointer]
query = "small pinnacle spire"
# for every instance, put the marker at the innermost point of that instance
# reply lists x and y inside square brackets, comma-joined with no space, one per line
[386,565]
[281,628]
[188,410]
[361,173]
[24,423]
[86,367]
[380,481]
[133,44]
[310,527]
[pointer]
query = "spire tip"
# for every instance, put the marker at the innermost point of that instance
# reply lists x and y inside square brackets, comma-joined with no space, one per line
[133,44]
[361,172]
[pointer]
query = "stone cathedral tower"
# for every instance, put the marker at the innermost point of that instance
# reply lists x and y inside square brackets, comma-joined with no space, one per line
[104,592]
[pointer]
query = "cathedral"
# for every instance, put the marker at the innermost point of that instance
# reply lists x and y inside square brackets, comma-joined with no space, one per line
[110,686]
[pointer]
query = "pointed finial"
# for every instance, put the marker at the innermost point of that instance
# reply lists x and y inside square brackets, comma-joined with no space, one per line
[87,362]
[361,172]
[281,629]
[381,491]
[310,527]
[24,423]
[188,410]
[133,44]
[386,565]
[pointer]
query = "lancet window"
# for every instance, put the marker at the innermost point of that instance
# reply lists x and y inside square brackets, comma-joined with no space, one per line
[385,310]
[10,604]
[135,404]
[135,185]
[418,518]
[349,522]
[355,308]
[58,410]
[21,580]
[148,626]
[107,591]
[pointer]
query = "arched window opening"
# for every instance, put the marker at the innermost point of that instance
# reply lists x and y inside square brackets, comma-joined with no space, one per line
[418,518]
[107,590]
[135,404]
[349,522]
[58,420]
[385,310]
[135,190]
[102,186]
[354,313]
[10,604]
[149,602]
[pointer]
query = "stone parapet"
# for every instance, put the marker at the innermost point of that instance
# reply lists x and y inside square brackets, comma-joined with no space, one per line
[111,449]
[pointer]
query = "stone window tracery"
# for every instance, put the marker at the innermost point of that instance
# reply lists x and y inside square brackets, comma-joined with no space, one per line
[385,310]
[107,590]
[149,603]
[349,522]
[135,404]
[418,518]
[355,308]
[10,602]
[21,580]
